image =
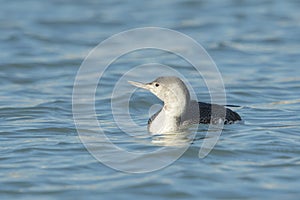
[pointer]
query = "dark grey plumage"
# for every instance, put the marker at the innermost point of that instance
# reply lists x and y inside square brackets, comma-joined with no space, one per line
[206,116]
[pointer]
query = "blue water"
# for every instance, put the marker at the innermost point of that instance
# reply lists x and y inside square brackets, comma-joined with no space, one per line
[255,45]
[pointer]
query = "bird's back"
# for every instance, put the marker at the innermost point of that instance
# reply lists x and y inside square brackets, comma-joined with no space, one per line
[205,113]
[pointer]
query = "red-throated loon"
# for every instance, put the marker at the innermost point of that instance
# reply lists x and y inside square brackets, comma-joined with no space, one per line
[179,110]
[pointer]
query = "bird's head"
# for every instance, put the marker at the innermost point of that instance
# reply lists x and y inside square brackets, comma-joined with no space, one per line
[170,89]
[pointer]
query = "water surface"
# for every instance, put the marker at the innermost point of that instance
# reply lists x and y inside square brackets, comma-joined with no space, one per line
[255,45]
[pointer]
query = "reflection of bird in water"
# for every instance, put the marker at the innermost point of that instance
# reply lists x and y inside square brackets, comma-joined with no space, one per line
[179,110]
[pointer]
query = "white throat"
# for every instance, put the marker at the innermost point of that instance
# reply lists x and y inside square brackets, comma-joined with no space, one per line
[170,117]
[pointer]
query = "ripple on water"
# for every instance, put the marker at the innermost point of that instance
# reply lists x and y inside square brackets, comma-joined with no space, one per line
[255,45]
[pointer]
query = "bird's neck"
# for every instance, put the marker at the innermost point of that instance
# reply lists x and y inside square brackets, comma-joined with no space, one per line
[173,110]
[164,122]
[174,113]
[169,119]
[176,107]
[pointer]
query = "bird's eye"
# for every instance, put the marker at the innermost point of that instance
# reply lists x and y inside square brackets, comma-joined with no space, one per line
[156,84]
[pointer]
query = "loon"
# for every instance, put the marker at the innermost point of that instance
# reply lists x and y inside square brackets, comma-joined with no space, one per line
[179,110]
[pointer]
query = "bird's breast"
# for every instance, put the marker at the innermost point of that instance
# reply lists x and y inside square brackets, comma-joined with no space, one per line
[162,123]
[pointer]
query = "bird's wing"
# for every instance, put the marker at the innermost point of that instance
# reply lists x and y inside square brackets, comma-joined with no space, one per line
[219,112]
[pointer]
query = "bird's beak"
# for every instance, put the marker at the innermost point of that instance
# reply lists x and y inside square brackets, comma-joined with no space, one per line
[140,85]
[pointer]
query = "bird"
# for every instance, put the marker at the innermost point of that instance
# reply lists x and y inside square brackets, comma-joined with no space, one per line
[179,111]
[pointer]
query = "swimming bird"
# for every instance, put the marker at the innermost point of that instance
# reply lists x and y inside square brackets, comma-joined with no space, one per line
[179,110]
